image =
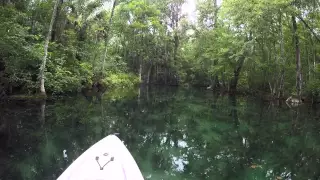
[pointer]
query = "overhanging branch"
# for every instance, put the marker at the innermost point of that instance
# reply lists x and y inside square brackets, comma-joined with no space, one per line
[308,27]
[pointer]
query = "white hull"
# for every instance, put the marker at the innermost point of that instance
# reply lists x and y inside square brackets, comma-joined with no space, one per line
[108,159]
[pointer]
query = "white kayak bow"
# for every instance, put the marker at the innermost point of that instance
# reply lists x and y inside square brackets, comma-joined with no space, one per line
[108,159]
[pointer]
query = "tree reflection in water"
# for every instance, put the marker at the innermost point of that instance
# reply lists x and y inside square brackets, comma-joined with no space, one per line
[172,134]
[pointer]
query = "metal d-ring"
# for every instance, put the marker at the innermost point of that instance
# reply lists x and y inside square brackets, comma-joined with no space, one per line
[105,154]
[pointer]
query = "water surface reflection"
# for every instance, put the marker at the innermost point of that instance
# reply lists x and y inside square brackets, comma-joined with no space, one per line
[172,134]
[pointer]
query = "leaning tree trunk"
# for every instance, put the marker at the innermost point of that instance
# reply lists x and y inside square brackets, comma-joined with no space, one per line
[46,44]
[298,60]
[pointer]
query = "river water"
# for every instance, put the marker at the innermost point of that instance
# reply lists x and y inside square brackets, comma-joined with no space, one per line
[172,134]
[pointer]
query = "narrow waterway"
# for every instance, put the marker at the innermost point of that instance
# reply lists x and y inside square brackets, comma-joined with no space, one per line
[172,134]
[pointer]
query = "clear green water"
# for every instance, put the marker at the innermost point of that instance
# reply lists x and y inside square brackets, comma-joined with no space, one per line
[172,134]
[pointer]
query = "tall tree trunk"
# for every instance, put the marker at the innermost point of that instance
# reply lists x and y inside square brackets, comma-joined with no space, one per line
[176,46]
[216,9]
[214,80]
[309,65]
[314,54]
[139,96]
[33,21]
[298,60]
[314,58]
[107,35]
[282,73]
[271,79]
[140,71]
[46,44]
[234,109]
[175,10]
[149,73]
[95,53]
[236,74]
[166,66]
[224,84]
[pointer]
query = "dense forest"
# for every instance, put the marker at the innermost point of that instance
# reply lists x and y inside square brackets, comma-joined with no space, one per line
[268,47]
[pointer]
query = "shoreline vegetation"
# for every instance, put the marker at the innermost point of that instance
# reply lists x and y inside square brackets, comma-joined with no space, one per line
[262,48]
[123,92]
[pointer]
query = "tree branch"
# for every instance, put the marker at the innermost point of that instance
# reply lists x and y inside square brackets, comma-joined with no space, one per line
[308,27]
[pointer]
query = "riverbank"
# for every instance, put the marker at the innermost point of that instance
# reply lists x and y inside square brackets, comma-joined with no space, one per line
[118,92]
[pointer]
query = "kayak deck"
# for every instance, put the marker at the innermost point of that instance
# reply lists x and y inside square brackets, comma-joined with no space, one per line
[107,159]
